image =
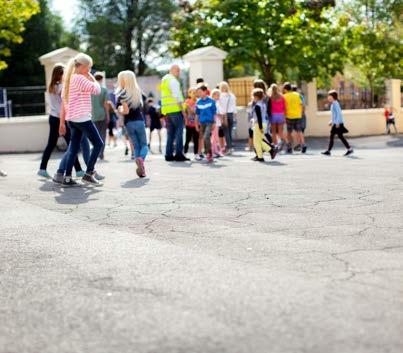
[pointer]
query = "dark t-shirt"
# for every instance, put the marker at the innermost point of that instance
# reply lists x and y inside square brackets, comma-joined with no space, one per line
[134,114]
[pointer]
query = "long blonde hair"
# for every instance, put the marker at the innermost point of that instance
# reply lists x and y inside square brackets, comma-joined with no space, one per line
[225,85]
[129,89]
[79,60]
[275,94]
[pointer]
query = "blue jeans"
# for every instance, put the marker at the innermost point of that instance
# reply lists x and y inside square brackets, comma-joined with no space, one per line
[175,133]
[77,131]
[137,133]
[85,149]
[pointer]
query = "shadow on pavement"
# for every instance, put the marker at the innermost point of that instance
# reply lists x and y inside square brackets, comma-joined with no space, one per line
[275,163]
[72,195]
[180,164]
[135,183]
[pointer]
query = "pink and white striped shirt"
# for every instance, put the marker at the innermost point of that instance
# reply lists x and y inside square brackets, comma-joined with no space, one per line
[79,106]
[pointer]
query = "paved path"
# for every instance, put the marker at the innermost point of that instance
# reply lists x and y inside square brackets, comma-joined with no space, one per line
[304,254]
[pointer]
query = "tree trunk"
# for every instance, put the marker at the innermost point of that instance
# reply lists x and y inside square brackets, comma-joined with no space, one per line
[128,56]
[267,73]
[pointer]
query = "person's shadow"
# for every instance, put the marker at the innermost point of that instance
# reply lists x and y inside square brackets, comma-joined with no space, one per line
[70,195]
[135,183]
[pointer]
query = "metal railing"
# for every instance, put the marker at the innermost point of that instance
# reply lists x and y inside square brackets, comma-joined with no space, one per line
[357,98]
[27,100]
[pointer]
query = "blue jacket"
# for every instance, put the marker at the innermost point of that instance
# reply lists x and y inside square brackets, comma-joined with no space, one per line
[337,115]
[206,110]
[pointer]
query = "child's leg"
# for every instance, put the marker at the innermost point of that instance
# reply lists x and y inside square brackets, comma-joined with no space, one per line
[342,139]
[93,135]
[187,138]
[142,139]
[331,141]
[207,138]
[257,141]
[74,147]
[273,128]
[195,140]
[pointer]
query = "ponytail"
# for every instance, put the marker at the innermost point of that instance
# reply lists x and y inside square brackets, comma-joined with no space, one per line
[77,61]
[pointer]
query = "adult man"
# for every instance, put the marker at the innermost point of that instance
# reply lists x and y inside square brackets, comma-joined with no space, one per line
[100,111]
[293,114]
[172,107]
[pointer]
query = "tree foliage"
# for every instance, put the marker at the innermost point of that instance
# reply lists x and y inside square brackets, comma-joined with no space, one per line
[374,38]
[44,33]
[14,15]
[275,36]
[126,34]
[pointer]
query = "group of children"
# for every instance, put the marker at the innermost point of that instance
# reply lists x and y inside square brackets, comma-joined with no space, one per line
[271,109]
[209,120]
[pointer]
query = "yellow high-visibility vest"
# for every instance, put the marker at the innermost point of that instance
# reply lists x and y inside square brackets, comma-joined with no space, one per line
[169,104]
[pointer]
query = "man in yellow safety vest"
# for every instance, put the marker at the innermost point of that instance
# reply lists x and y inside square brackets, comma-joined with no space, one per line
[172,107]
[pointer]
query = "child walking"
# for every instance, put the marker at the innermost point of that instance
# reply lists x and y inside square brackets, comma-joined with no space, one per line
[130,105]
[55,103]
[277,116]
[390,119]
[259,116]
[190,122]
[215,138]
[205,111]
[79,84]
[337,124]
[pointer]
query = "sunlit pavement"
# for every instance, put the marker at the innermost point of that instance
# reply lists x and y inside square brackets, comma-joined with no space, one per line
[300,254]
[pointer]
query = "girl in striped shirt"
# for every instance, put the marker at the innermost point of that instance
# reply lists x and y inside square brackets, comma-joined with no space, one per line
[79,84]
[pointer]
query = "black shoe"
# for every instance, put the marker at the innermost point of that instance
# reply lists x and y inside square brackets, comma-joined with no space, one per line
[68,181]
[273,153]
[181,158]
[350,151]
[326,153]
[169,159]
[297,148]
[91,180]
[289,150]
[257,159]
[304,148]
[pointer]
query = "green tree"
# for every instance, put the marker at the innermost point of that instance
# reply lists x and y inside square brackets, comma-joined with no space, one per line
[274,36]
[44,32]
[374,39]
[14,14]
[126,34]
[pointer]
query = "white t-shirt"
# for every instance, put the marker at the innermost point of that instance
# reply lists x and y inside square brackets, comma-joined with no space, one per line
[227,103]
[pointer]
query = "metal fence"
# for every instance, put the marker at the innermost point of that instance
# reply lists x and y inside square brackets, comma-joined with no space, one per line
[354,98]
[27,100]
[242,89]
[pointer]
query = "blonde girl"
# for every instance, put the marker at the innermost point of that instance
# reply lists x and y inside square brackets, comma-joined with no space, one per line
[130,105]
[79,84]
[227,110]
[277,116]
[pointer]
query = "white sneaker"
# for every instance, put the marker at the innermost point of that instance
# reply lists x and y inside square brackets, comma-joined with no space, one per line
[3,173]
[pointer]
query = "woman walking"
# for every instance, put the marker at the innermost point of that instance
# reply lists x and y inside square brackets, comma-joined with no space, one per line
[130,105]
[227,106]
[337,124]
[55,103]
